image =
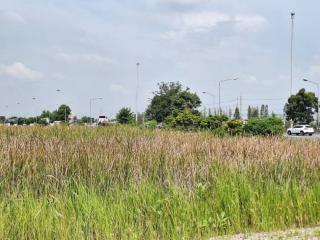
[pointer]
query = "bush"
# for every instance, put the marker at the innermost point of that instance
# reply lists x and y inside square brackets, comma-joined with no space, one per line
[235,127]
[186,120]
[264,126]
[170,122]
[125,116]
[216,121]
[220,131]
[151,124]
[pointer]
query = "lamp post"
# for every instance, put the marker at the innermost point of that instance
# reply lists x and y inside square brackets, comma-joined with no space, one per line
[318,88]
[291,50]
[220,82]
[213,98]
[91,100]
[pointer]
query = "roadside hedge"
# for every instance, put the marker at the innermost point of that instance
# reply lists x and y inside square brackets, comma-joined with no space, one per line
[221,125]
[264,126]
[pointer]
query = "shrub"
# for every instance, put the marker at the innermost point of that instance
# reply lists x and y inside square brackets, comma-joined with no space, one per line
[235,127]
[151,124]
[216,121]
[220,131]
[170,122]
[187,120]
[125,116]
[264,126]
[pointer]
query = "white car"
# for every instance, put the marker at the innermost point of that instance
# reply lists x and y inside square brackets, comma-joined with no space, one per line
[301,130]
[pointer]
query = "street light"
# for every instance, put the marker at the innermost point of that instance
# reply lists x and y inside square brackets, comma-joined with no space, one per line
[318,88]
[213,98]
[220,82]
[291,51]
[91,100]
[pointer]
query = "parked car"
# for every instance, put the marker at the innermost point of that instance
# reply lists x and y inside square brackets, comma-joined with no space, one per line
[301,130]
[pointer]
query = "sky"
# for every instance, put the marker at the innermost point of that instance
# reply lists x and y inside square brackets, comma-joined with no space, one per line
[89,49]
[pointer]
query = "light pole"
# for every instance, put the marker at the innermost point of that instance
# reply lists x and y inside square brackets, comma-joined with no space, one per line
[220,82]
[291,50]
[213,98]
[91,100]
[137,90]
[318,88]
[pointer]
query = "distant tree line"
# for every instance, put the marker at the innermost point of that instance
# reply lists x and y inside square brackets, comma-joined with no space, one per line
[173,106]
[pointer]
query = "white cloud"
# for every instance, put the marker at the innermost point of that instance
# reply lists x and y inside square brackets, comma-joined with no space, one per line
[206,21]
[192,22]
[84,58]
[200,21]
[9,16]
[181,2]
[20,71]
[250,23]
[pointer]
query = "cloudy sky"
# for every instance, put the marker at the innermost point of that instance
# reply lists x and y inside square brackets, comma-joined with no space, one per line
[90,49]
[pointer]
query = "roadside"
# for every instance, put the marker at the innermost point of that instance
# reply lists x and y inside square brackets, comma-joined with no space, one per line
[313,137]
[296,234]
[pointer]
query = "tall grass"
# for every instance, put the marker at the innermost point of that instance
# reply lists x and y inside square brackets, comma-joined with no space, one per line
[128,183]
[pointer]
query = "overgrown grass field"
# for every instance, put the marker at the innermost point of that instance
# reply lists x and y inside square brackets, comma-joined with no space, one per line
[129,183]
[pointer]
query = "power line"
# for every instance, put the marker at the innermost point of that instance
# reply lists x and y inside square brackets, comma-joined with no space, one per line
[264,99]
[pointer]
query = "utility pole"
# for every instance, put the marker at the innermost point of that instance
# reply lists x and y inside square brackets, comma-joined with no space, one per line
[291,51]
[137,90]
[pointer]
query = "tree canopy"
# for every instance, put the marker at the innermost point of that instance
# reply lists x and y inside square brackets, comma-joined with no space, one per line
[301,107]
[125,116]
[236,114]
[170,100]
[61,114]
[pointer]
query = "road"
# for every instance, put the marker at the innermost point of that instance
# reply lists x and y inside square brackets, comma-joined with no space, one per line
[313,137]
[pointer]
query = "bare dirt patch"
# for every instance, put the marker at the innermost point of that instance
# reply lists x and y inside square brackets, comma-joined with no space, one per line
[294,234]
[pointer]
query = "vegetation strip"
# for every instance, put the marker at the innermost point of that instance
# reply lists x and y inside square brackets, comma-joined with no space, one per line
[128,183]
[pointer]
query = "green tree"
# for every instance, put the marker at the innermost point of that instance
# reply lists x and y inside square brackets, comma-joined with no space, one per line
[249,112]
[170,100]
[45,114]
[216,121]
[234,127]
[266,111]
[236,114]
[262,110]
[301,107]
[264,126]
[2,119]
[125,116]
[255,112]
[86,119]
[230,112]
[186,120]
[63,112]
